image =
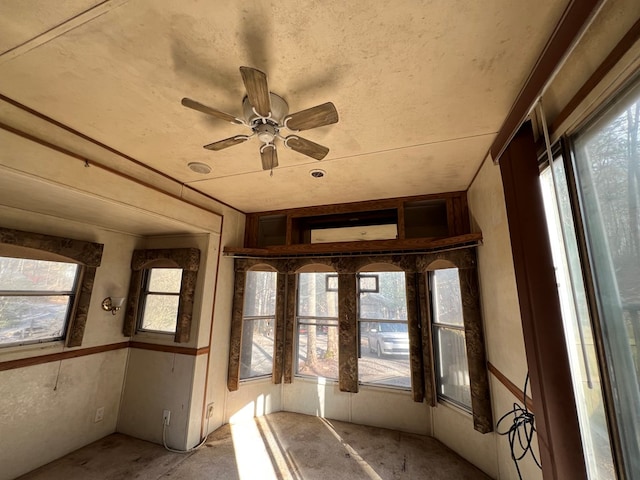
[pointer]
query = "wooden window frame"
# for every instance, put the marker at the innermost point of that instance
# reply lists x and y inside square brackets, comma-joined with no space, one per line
[420,346]
[188,259]
[87,254]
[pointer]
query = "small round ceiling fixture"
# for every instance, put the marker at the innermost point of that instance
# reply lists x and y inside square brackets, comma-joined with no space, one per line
[200,167]
[317,173]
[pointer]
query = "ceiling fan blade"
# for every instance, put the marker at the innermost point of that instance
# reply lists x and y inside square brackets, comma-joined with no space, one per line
[227,142]
[269,156]
[306,147]
[187,102]
[255,82]
[313,117]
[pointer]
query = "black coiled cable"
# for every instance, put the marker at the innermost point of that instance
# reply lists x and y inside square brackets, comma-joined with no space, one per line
[521,430]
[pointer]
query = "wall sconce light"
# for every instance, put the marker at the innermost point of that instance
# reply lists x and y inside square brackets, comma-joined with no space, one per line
[112,304]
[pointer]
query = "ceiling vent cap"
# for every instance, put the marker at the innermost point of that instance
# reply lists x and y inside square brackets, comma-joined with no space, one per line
[199,167]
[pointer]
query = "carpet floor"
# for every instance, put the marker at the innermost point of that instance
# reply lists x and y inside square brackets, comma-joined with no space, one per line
[279,446]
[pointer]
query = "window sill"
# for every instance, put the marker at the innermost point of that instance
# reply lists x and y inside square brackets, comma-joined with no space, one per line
[317,380]
[385,388]
[260,379]
[455,407]
[154,337]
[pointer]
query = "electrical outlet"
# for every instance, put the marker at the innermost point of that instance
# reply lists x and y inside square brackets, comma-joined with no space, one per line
[166,417]
[210,410]
[99,415]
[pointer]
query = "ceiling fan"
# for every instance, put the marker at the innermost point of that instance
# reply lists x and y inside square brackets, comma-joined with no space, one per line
[266,114]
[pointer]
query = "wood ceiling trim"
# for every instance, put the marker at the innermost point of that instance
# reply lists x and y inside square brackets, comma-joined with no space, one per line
[622,47]
[81,135]
[574,21]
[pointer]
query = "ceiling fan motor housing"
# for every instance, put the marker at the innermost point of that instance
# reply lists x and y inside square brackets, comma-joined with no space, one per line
[279,110]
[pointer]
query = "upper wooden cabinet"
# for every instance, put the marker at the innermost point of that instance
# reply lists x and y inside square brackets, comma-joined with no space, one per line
[391,224]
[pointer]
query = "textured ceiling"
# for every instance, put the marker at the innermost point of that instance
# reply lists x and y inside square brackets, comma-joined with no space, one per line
[421,87]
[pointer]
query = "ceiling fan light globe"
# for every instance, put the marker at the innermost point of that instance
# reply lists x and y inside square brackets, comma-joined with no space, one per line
[265,132]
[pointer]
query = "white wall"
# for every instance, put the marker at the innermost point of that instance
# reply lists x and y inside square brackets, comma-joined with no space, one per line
[501,310]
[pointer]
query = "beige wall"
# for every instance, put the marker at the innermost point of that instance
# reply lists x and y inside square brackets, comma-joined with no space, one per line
[39,424]
[48,410]
[501,310]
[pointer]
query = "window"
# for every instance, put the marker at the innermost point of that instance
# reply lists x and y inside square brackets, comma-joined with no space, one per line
[162,292]
[52,274]
[606,171]
[587,383]
[36,299]
[368,328]
[317,325]
[452,368]
[383,330]
[160,297]
[258,324]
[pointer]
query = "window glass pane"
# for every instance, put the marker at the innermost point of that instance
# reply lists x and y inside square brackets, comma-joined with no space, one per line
[160,313]
[39,316]
[314,299]
[447,302]
[453,370]
[23,274]
[256,349]
[384,354]
[317,319]
[384,345]
[256,357]
[579,334]
[260,294]
[318,350]
[165,280]
[26,319]
[390,302]
[607,160]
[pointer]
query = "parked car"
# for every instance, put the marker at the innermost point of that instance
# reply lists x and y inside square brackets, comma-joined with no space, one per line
[388,338]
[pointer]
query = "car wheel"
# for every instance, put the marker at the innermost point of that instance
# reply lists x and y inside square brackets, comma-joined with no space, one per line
[379,350]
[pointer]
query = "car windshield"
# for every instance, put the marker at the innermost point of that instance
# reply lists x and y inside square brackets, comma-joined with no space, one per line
[393,327]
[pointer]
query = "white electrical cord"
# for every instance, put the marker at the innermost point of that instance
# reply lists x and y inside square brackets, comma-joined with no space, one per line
[164,440]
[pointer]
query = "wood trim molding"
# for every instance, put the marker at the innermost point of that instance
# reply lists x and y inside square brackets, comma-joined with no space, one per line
[54,357]
[415,336]
[81,135]
[623,46]
[509,385]
[366,205]
[573,22]
[560,443]
[156,347]
[303,249]
[83,352]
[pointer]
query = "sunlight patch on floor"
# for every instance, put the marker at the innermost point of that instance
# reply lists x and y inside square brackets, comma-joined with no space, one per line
[252,457]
